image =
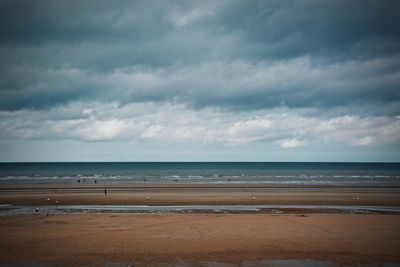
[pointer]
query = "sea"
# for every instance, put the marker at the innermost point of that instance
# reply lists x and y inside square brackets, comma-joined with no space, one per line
[297,173]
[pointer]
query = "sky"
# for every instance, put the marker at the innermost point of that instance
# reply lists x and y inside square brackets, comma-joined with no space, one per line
[199,80]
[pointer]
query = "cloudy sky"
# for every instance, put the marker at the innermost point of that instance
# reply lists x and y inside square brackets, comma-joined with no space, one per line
[199,80]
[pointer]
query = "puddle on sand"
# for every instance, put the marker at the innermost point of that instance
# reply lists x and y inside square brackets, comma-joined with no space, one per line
[8,210]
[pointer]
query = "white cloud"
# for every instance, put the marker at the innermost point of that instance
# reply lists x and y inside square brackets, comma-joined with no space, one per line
[360,131]
[152,131]
[102,130]
[290,143]
[171,122]
[249,130]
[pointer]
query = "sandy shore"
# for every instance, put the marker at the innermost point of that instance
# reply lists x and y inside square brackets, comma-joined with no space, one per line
[143,239]
[198,239]
[197,194]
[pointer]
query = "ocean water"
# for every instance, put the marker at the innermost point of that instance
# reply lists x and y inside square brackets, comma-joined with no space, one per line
[373,174]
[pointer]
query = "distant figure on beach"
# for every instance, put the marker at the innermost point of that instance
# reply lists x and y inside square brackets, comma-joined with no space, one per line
[144,180]
[105,191]
[95,181]
[79,181]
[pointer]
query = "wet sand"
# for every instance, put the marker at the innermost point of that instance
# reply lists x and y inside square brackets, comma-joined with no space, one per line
[234,194]
[195,239]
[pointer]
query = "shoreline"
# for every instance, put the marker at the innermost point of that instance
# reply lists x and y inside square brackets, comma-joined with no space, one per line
[147,185]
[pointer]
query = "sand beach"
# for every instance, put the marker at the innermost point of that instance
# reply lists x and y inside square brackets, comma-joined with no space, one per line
[292,236]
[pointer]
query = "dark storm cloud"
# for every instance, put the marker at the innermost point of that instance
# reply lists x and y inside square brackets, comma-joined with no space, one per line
[347,29]
[231,54]
[290,27]
[62,21]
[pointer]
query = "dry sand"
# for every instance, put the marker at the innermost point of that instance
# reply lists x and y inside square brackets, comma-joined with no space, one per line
[143,239]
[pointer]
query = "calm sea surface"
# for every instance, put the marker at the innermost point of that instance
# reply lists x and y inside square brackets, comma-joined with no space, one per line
[385,174]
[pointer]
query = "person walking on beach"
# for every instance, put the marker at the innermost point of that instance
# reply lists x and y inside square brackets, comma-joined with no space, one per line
[105,191]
